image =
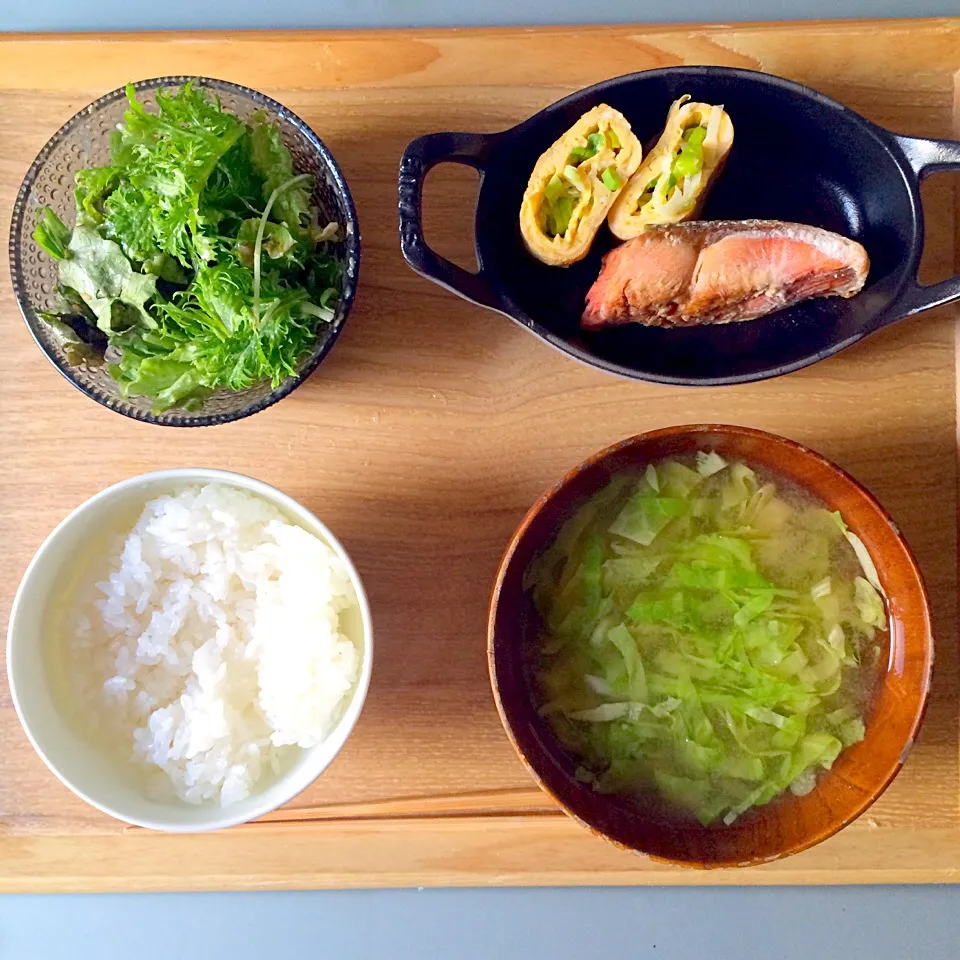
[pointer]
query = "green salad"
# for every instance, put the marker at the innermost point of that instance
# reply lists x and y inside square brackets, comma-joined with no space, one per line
[197,260]
[711,637]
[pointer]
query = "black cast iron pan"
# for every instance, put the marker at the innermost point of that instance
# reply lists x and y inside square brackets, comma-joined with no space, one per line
[797,156]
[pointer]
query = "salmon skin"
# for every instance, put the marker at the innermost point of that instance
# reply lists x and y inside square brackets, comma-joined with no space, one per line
[722,271]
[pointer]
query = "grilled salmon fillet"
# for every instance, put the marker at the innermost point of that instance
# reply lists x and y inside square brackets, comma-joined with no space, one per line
[721,271]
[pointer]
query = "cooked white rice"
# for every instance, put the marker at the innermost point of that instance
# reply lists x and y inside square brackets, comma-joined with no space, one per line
[215,642]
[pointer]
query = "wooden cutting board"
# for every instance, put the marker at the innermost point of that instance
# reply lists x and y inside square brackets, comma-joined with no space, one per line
[431,428]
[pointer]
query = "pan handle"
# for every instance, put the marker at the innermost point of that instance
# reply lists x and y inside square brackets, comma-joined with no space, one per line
[926,157]
[421,155]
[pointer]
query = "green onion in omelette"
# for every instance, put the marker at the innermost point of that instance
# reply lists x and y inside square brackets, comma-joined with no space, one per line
[560,197]
[711,637]
[689,161]
[563,190]
[197,259]
[611,179]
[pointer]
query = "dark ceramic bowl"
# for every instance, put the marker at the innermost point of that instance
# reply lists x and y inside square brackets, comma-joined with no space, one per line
[789,824]
[84,140]
[797,155]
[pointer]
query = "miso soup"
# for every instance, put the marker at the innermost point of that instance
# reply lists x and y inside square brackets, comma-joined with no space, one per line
[712,637]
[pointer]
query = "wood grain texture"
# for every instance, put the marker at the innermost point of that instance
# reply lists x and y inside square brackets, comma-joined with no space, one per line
[430,429]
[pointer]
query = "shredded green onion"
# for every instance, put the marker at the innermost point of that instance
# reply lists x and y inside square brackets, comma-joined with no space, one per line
[611,179]
[559,199]
[595,143]
[689,161]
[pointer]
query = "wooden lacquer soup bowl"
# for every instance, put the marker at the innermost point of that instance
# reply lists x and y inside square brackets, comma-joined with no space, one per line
[790,823]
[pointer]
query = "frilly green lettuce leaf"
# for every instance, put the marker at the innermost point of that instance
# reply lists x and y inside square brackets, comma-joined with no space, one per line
[272,160]
[97,270]
[93,186]
[51,234]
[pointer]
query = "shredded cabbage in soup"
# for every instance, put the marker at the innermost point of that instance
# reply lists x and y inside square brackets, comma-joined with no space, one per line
[710,637]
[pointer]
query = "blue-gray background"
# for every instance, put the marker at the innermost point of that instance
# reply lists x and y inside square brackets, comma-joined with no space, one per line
[246,14]
[785,923]
[882,923]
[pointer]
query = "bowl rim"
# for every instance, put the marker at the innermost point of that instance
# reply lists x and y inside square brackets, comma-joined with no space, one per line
[693,429]
[352,249]
[344,726]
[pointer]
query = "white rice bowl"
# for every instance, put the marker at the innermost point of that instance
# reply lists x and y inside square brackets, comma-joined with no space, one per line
[209,647]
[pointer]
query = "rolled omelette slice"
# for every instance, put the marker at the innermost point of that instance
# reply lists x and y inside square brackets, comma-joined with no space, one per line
[574,184]
[672,182]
